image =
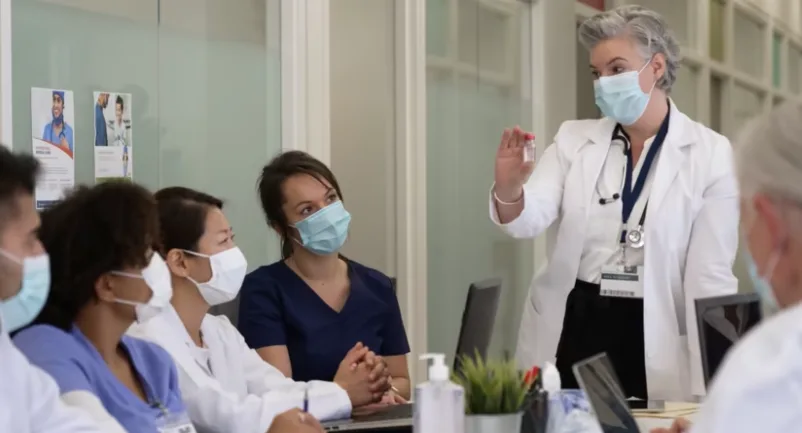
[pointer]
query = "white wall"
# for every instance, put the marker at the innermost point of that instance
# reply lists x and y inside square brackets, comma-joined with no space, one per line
[363,125]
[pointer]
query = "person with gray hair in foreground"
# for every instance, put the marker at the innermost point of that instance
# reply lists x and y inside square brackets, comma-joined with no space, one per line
[759,386]
[644,207]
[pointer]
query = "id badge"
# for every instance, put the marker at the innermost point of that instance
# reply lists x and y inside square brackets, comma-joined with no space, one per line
[619,281]
[175,423]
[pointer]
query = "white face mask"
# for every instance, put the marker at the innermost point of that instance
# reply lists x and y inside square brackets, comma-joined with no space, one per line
[228,272]
[157,277]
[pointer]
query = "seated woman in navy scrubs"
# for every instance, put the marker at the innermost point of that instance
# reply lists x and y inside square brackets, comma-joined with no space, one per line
[104,276]
[305,312]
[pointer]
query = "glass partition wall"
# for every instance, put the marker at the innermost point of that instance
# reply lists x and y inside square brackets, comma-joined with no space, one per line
[478,82]
[204,76]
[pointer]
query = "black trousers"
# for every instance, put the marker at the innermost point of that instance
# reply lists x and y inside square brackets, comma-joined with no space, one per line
[594,324]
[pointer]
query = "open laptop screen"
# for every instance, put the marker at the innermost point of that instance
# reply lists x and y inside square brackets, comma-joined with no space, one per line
[597,378]
[722,322]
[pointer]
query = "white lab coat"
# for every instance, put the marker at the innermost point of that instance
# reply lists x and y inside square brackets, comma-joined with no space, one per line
[691,241]
[119,133]
[759,386]
[29,398]
[245,393]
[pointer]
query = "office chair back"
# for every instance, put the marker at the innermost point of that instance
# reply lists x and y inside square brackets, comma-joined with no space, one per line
[478,319]
[229,309]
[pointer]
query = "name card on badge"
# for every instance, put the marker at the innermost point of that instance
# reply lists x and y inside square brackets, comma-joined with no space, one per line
[620,281]
[175,423]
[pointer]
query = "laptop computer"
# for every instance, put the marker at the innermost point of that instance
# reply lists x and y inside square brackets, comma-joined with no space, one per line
[722,321]
[597,378]
[393,417]
[478,320]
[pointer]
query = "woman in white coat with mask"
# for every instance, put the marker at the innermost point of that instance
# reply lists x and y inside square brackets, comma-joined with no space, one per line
[643,203]
[227,387]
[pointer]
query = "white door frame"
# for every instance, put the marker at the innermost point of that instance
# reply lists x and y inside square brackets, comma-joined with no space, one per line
[305,95]
[410,159]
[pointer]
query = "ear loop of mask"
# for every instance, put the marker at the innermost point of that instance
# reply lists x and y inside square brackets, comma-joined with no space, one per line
[203,256]
[643,69]
[774,260]
[128,275]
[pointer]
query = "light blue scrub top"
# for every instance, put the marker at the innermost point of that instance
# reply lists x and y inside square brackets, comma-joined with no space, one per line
[75,364]
[50,137]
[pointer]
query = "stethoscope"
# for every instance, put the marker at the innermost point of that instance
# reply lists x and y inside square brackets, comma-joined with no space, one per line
[619,135]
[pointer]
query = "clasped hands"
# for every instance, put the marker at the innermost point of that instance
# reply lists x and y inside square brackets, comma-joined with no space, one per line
[366,379]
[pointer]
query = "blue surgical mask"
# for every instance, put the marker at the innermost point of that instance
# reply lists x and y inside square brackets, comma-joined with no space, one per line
[763,284]
[22,308]
[620,96]
[324,232]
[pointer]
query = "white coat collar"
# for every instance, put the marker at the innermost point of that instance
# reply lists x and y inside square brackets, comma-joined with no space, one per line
[168,331]
[680,134]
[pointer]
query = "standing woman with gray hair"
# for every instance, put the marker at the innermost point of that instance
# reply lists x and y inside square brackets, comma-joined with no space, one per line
[644,206]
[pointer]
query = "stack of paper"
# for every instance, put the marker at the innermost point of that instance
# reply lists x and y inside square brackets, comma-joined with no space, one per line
[671,411]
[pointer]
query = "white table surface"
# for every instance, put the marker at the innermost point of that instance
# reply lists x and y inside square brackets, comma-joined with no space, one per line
[646,424]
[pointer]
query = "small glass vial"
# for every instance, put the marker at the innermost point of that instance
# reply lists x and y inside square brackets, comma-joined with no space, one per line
[529,147]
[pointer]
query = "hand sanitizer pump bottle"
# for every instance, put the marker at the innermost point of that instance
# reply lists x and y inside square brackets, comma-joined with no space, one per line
[439,403]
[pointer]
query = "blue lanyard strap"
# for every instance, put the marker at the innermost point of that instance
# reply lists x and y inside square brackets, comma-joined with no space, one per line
[630,194]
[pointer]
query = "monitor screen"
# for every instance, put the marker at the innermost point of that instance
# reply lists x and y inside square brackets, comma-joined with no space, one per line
[721,325]
[599,381]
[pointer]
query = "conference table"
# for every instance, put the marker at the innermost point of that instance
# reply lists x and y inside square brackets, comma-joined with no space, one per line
[646,421]
[644,424]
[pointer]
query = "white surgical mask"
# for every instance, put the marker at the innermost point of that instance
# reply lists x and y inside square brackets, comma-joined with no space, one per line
[620,96]
[157,277]
[228,272]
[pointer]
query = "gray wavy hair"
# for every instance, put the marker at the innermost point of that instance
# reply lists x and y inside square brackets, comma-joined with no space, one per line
[768,155]
[645,26]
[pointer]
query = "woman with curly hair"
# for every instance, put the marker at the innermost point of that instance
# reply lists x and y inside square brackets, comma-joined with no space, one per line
[105,276]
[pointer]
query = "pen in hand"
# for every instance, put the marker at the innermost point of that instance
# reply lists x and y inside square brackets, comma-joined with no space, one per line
[306,400]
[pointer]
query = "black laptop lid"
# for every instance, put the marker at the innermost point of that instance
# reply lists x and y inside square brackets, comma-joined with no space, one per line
[597,378]
[722,322]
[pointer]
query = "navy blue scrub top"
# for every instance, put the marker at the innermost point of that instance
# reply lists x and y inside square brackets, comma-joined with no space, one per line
[277,308]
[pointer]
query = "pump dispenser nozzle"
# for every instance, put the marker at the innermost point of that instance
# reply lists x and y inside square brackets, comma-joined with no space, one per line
[438,370]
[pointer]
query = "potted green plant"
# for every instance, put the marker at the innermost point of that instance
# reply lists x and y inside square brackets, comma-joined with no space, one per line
[495,392]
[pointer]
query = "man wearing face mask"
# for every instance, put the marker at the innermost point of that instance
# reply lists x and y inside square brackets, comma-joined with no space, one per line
[29,398]
[227,387]
[643,211]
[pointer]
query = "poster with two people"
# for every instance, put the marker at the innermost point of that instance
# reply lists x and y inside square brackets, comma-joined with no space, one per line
[113,136]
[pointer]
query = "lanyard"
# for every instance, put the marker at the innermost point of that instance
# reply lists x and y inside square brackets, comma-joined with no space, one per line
[631,193]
